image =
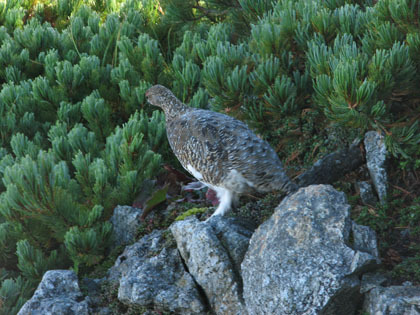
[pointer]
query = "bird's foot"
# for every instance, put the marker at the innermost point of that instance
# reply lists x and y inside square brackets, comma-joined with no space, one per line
[194,186]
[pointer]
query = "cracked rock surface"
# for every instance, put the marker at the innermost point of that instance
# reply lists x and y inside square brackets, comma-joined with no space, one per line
[125,222]
[57,293]
[308,258]
[394,300]
[213,252]
[366,193]
[151,275]
[376,155]
[300,261]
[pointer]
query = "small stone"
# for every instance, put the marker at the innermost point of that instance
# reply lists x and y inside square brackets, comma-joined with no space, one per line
[57,293]
[405,234]
[376,155]
[366,193]
[365,240]
[125,222]
[372,280]
[394,300]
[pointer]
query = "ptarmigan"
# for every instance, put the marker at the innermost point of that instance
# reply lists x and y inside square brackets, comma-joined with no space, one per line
[220,151]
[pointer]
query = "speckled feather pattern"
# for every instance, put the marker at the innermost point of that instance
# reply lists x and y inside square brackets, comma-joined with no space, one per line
[217,146]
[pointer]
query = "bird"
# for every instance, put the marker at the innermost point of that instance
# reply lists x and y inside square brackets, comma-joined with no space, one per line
[220,151]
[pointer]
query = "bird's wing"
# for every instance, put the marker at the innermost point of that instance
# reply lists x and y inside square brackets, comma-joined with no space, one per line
[212,143]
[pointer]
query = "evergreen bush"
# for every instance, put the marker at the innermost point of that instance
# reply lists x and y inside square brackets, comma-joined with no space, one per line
[74,140]
[77,136]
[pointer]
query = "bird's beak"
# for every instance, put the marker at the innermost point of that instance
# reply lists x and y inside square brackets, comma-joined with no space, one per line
[148,96]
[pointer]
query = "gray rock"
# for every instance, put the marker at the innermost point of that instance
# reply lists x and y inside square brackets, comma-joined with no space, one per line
[299,261]
[395,300]
[376,155]
[371,280]
[125,222]
[405,234]
[211,250]
[234,236]
[58,293]
[364,239]
[151,275]
[366,193]
[332,167]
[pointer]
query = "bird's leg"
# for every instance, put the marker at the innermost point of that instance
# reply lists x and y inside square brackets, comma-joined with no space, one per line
[225,197]
[235,200]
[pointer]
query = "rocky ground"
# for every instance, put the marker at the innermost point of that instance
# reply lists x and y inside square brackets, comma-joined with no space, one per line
[308,257]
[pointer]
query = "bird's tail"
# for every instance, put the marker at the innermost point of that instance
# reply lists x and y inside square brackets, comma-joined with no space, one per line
[285,184]
[290,187]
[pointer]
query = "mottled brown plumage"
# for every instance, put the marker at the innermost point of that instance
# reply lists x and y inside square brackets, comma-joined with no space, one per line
[220,151]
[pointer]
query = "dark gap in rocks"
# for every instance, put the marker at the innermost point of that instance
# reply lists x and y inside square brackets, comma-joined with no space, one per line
[183,262]
[350,241]
[349,305]
[359,306]
[235,269]
[79,298]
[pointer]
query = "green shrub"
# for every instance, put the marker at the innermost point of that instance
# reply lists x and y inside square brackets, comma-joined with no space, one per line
[77,136]
[73,141]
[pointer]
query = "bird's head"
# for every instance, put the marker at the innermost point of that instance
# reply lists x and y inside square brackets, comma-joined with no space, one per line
[160,96]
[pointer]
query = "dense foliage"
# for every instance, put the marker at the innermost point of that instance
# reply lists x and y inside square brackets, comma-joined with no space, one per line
[77,136]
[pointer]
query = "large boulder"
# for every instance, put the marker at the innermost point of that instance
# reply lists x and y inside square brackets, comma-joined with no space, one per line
[149,274]
[303,261]
[213,252]
[58,293]
[394,300]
